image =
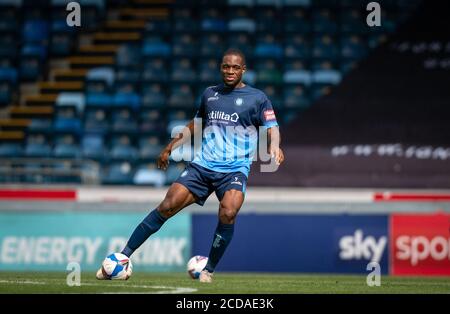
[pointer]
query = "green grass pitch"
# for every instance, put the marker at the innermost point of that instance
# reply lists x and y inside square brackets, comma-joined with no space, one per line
[224,283]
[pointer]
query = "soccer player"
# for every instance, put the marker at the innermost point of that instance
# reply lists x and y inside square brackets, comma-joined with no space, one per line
[223,162]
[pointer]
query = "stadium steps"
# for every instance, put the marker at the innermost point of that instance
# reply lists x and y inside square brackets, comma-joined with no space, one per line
[125,26]
[25,112]
[53,88]
[14,124]
[64,75]
[116,37]
[12,135]
[144,13]
[40,100]
[98,50]
[90,61]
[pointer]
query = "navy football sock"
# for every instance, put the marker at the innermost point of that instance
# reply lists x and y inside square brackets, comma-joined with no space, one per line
[222,237]
[146,228]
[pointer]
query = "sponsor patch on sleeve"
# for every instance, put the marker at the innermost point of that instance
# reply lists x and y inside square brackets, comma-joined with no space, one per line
[269,115]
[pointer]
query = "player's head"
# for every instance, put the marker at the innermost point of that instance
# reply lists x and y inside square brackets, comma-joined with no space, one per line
[232,67]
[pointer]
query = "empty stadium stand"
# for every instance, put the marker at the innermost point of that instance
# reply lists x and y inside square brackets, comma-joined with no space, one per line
[95,104]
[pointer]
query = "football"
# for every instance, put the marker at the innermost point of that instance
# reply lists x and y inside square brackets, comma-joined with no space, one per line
[117,266]
[196,265]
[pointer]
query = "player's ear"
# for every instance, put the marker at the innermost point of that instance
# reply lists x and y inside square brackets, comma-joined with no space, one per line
[244,68]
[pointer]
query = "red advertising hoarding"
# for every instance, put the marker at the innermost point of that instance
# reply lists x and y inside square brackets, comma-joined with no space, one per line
[420,244]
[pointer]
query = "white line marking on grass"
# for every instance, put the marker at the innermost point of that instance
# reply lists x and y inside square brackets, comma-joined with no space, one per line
[24,282]
[166,289]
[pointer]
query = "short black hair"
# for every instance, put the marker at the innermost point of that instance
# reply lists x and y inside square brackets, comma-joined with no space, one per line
[235,51]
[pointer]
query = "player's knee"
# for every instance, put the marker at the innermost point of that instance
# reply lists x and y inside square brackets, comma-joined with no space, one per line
[167,208]
[227,215]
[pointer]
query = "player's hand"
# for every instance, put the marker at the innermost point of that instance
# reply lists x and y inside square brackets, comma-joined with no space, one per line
[277,154]
[163,159]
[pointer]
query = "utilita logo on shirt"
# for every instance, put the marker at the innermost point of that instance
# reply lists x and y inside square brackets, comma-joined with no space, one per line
[220,115]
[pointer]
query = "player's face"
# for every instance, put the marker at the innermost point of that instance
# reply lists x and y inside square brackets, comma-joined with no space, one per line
[232,68]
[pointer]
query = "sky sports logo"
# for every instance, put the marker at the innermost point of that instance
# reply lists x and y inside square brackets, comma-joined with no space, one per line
[416,244]
[420,244]
[418,249]
[358,246]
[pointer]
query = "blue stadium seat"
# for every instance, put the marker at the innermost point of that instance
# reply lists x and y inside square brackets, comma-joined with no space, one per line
[149,175]
[99,100]
[152,121]
[184,45]
[129,55]
[10,150]
[353,48]
[6,91]
[297,46]
[35,31]
[37,150]
[295,20]
[92,147]
[8,74]
[325,47]
[61,44]
[159,49]
[123,121]
[129,100]
[155,71]
[295,96]
[40,125]
[208,72]
[182,71]
[212,21]
[34,50]
[123,149]
[324,22]
[162,26]
[118,173]
[212,45]
[181,96]
[29,68]
[153,96]
[96,121]
[105,74]
[326,77]
[149,148]
[72,125]
[66,151]
[243,24]
[297,76]
[71,99]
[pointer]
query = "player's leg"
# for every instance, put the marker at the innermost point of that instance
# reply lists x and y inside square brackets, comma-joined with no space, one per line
[228,210]
[177,198]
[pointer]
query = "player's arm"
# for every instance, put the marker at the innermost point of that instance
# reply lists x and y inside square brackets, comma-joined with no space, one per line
[274,138]
[180,139]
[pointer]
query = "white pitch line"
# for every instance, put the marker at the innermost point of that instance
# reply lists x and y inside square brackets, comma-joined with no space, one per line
[168,289]
[26,282]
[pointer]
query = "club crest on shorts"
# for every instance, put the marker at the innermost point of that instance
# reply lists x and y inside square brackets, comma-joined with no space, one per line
[184,173]
[236,181]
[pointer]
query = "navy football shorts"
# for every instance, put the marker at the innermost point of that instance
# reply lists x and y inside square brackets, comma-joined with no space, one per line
[202,182]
